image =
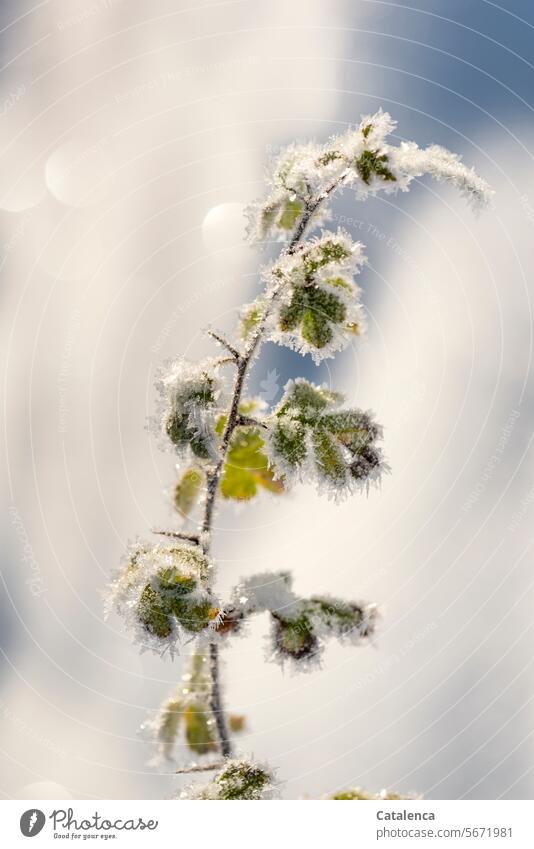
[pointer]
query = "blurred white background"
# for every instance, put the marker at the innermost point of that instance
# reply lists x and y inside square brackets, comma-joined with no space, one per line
[132,135]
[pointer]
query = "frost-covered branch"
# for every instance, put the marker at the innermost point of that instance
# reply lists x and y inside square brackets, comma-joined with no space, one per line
[233,447]
[299,626]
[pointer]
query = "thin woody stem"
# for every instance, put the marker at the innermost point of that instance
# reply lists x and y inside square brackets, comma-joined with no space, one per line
[225,343]
[243,362]
[177,535]
[216,702]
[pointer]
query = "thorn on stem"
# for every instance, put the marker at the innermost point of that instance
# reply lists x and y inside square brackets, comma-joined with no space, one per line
[178,535]
[225,343]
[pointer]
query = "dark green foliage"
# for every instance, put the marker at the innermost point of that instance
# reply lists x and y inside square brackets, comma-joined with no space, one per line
[294,637]
[342,442]
[371,162]
[242,781]
[182,434]
[153,612]
[183,422]
[174,593]
[315,311]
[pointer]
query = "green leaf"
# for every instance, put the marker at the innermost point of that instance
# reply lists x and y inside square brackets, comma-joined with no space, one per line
[370,162]
[193,616]
[342,442]
[242,780]
[198,732]
[358,794]
[289,442]
[187,490]
[247,467]
[306,401]
[329,157]
[176,592]
[250,318]
[328,457]
[269,214]
[180,422]
[291,212]
[153,612]
[181,434]
[295,637]
[170,720]
[315,311]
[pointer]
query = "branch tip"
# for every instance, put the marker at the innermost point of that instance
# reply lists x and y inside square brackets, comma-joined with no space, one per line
[178,535]
[225,343]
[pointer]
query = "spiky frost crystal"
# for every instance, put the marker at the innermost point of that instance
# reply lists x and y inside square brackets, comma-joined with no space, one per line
[310,437]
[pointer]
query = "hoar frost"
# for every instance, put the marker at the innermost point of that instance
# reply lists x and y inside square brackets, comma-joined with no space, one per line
[318,309]
[361,158]
[190,399]
[299,626]
[234,448]
[239,779]
[163,596]
[312,439]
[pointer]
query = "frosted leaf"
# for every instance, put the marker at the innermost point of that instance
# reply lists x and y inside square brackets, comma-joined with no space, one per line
[190,401]
[364,158]
[310,438]
[185,717]
[376,165]
[165,727]
[250,317]
[411,161]
[300,626]
[318,309]
[161,595]
[266,591]
[357,794]
[239,779]
[294,178]
[187,490]
[299,635]
[329,255]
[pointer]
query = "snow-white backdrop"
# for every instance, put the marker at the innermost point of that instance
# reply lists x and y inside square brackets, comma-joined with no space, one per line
[132,136]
